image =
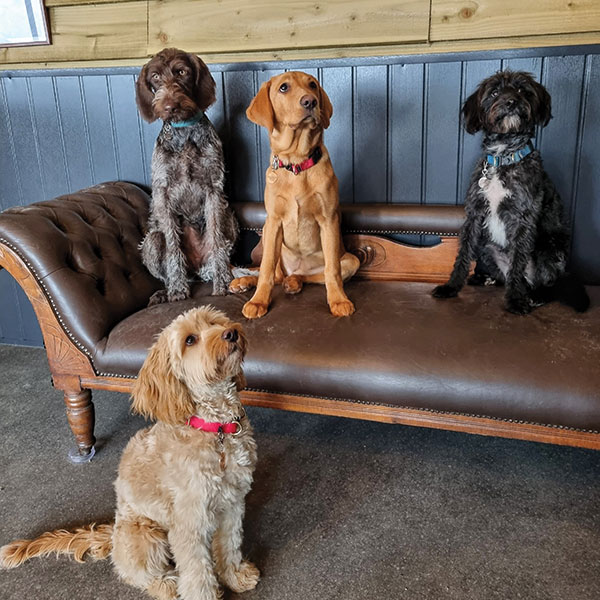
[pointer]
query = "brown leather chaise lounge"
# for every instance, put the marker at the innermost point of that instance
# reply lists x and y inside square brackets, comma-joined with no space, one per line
[403,357]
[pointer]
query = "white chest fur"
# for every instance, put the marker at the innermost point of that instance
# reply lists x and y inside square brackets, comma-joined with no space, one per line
[495,193]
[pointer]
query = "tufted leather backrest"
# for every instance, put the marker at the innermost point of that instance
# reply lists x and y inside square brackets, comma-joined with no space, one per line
[83,249]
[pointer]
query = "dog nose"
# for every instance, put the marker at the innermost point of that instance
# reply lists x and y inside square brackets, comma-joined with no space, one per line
[170,107]
[230,335]
[308,101]
[510,102]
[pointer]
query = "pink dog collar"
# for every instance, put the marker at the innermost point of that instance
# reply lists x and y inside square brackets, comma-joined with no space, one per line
[296,169]
[235,427]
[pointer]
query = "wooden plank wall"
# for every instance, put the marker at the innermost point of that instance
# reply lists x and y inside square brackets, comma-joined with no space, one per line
[117,32]
[395,137]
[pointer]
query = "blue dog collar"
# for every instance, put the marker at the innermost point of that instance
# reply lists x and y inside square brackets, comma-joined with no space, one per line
[511,159]
[195,119]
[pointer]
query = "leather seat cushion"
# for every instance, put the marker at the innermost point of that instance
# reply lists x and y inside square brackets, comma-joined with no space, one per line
[402,347]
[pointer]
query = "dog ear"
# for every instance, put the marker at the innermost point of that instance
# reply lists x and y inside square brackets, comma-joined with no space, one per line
[144,95]
[326,109]
[471,111]
[157,393]
[260,110]
[543,112]
[205,86]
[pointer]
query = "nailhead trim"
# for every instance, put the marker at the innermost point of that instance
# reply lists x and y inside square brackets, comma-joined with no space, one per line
[387,231]
[429,410]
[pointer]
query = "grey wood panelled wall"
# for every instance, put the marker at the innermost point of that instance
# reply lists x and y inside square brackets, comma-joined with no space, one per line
[395,137]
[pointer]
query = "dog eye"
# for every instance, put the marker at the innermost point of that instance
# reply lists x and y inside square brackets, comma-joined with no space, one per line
[182,72]
[312,85]
[190,340]
[284,87]
[494,93]
[155,76]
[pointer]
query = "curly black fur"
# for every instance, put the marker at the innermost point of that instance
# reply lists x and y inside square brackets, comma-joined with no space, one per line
[514,224]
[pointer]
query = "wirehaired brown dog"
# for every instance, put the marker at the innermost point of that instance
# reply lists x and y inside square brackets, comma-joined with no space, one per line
[182,482]
[191,230]
[301,237]
[514,226]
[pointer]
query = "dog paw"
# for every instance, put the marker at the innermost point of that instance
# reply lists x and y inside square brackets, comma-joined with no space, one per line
[163,588]
[243,284]
[444,291]
[292,284]
[254,310]
[178,296]
[518,306]
[158,297]
[243,579]
[343,308]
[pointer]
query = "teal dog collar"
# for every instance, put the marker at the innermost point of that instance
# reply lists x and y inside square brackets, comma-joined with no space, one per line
[193,121]
[511,159]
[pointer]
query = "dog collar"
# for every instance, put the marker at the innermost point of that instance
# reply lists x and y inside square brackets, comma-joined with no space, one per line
[511,159]
[313,158]
[234,428]
[195,119]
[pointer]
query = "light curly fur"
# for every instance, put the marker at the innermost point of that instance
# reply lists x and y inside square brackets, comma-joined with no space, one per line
[180,491]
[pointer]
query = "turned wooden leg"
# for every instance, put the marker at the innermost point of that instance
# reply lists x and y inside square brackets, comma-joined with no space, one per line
[80,414]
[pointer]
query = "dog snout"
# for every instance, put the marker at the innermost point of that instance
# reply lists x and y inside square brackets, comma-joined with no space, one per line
[308,101]
[230,335]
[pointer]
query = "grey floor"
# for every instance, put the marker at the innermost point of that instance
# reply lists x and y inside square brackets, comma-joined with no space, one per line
[340,509]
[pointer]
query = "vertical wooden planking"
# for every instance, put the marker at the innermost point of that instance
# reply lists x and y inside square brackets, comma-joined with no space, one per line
[370,133]
[337,83]
[563,77]
[10,190]
[149,133]
[126,128]
[586,225]
[99,120]
[26,151]
[49,131]
[75,133]
[529,65]
[474,72]
[216,113]
[443,91]
[242,149]
[406,133]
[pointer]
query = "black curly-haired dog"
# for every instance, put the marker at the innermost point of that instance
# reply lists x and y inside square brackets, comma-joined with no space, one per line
[514,224]
[191,229]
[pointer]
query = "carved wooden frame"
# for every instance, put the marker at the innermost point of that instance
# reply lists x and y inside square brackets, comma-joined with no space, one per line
[73,373]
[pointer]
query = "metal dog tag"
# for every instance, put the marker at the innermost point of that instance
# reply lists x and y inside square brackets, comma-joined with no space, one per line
[484,183]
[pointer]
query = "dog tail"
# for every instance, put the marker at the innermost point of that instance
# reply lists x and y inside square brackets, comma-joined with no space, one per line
[568,290]
[92,540]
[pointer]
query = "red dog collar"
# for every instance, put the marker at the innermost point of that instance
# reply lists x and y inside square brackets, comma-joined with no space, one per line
[235,427]
[313,158]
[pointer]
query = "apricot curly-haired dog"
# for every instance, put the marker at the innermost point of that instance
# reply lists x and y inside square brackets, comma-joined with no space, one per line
[182,482]
[301,238]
